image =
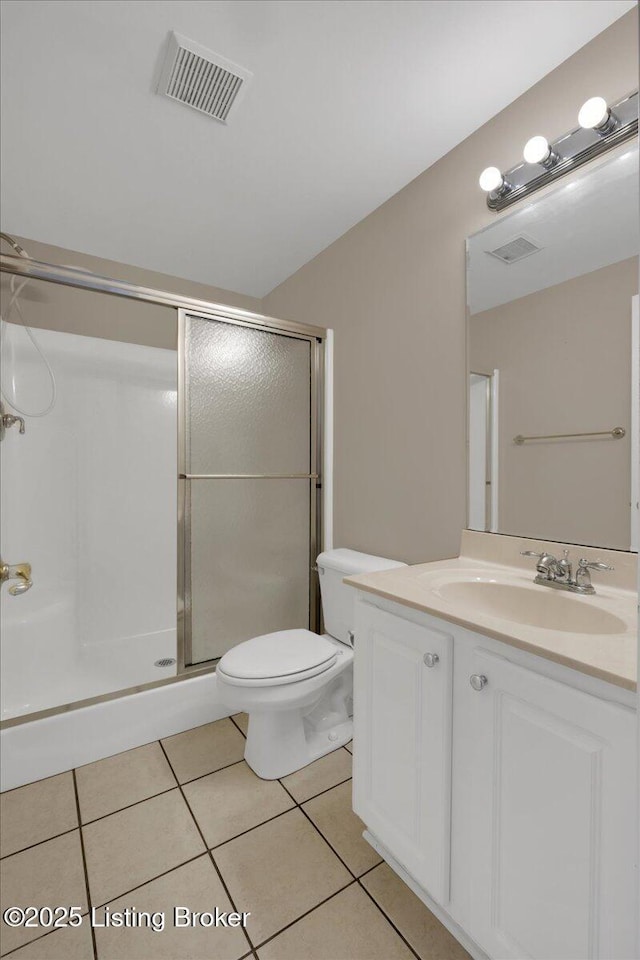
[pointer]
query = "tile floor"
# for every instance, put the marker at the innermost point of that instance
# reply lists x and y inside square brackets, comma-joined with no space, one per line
[185,822]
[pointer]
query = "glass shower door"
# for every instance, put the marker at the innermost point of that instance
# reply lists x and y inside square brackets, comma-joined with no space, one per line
[248,483]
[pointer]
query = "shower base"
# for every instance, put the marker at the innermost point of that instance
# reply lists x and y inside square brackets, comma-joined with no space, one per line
[43,669]
[41,748]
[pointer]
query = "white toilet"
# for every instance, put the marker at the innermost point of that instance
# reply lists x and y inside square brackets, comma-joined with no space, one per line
[297,686]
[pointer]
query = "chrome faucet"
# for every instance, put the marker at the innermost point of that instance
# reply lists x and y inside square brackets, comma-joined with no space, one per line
[558,574]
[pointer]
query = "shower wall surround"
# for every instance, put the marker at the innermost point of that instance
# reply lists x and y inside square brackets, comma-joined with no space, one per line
[88,498]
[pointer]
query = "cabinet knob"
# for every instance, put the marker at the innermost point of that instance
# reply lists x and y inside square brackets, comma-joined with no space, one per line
[478,681]
[431,659]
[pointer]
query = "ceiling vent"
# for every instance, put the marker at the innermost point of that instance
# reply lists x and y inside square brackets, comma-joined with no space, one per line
[514,250]
[202,79]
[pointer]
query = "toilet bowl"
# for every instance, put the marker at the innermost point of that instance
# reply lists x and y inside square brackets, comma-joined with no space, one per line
[297,686]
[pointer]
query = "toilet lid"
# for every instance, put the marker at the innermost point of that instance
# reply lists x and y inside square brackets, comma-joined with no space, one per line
[282,657]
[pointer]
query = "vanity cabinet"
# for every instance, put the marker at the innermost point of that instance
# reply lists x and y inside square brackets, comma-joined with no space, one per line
[505,792]
[402,726]
[549,791]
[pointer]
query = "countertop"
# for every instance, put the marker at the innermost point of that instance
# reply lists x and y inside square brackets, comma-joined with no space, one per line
[611,657]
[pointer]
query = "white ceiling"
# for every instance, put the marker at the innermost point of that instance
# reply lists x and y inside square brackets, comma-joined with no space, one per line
[587,223]
[350,101]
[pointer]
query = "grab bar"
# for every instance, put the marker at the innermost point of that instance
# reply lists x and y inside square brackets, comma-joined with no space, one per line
[616,434]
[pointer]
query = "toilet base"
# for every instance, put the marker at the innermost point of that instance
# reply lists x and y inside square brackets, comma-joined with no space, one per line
[281,743]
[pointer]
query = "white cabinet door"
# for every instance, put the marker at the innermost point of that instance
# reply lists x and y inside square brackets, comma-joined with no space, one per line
[402,741]
[550,803]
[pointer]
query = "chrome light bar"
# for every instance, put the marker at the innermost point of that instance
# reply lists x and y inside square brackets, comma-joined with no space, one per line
[601,128]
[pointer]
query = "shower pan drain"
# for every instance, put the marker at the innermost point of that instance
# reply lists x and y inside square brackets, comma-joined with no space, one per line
[165,662]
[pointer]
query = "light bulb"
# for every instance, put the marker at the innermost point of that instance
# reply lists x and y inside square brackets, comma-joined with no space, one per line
[594,113]
[491,179]
[536,150]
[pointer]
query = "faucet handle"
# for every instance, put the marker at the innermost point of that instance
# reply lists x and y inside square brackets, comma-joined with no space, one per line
[531,553]
[20,572]
[594,565]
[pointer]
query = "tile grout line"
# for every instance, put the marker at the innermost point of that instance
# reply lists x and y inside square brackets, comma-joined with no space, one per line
[37,939]
[217,770]
[313,796]
[238,727]
[164,873]
[208,852]
[319,831]
[129,806]
[31,783]
[84,863]
[388,918]
[237,836]
[226,889]
[370,870]
[38,843]
[201,776]
[351,883]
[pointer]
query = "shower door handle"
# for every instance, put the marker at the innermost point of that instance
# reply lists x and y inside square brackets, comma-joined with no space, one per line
[20,572]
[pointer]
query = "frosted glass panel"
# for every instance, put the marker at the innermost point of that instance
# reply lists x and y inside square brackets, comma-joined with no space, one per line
[248,400]
[249,561]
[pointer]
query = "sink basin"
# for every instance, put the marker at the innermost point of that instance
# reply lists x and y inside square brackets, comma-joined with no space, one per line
[533,606]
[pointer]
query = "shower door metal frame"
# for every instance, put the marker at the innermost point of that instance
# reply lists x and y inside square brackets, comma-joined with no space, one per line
[314,477]
[86,280]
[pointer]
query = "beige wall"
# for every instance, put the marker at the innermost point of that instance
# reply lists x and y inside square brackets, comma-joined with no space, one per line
[100,315]
[393,288]
[564,359]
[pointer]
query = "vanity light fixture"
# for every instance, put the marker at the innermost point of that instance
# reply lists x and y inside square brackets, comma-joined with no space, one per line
[491,180]
[596,115]
[601,128]
[537,150]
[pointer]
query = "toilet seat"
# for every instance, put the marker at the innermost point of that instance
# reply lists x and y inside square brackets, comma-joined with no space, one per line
[287,656]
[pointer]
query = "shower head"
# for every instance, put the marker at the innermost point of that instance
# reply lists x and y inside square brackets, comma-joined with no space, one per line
[15,245]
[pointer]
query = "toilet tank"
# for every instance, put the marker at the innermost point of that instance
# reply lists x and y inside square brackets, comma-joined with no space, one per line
[338,600]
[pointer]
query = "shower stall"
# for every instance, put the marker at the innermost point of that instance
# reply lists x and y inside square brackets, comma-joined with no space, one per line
[84,496]
[165,494]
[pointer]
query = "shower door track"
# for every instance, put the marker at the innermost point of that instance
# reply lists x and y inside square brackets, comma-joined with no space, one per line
[87,280]
[84,279]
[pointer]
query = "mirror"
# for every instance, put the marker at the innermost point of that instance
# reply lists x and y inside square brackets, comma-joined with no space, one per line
[552,353]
